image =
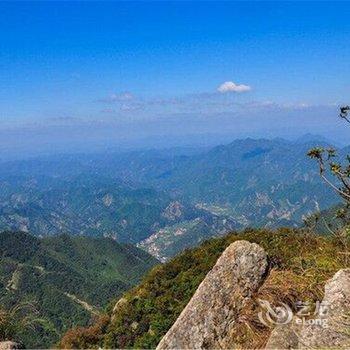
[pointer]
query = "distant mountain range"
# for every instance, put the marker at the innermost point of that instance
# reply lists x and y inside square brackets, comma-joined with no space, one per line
[67,279]
[165,201]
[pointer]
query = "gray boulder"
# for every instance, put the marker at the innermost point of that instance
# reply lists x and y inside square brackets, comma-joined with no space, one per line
[284,337]
[211,314]
[10,345]
[334,331]
[331,330]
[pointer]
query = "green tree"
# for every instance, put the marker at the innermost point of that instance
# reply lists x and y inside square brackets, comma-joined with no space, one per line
[328,159]
[336,172]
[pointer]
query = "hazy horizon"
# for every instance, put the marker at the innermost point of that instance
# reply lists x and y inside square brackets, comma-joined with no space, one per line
[90,76]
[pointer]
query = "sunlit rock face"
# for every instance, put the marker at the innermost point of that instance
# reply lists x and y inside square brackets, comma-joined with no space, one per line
[212,312]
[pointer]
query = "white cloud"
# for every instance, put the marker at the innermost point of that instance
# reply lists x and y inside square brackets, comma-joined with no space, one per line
[108,110]
[119,97]
[230,86]
[124,96]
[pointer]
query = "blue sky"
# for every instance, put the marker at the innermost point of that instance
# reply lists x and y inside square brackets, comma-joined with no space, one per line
[145,69]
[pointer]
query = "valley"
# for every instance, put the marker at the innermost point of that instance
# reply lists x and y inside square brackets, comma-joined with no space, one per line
[164,201]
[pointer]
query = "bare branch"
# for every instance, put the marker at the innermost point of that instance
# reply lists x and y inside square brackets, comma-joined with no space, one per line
[344,111]
[335,188]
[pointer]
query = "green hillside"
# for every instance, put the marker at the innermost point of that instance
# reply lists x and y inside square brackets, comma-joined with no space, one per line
[66,280]
[301,262]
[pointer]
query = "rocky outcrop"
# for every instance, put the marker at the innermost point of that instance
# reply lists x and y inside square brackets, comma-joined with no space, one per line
[331,328]
[283,337]
[122,302]
[209,319]
[10,345]
[108,200]
[334,330]
[173,211]
[211,314]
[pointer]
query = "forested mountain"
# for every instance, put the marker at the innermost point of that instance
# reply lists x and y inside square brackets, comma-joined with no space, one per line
[99,206]
[164,200]
[66,280]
